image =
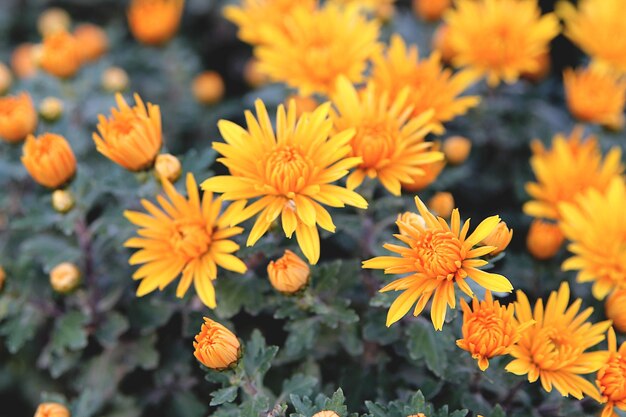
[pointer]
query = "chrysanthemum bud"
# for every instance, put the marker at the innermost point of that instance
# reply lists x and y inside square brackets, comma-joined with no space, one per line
[23,61]
[615,308]
[326,413]
[208,87]
[64,277]
[253,76]
[62,201]
[544,239]
[441,204]
[500,237]
[52,410]
[412,219]
[60,55]
[167,166]
[5,78]
[154,22]
[289,273]
[430,10]
[418,415]
[114,79]
[18,117]
[303,104]
[51,109]
[93,41]
[457,149]
[441,42]
[53,20]
[3,277]
[49,159]
[215,346]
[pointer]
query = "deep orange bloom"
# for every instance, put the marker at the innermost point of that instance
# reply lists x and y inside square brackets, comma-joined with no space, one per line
[92,40]
[431,10]
[215,346]
[52,410]
[18,117]
[611,378]
[457,149]
[441,204]
[208,87]
[544,239]
[49,159]
[154,22]
[61,55]
[288,274]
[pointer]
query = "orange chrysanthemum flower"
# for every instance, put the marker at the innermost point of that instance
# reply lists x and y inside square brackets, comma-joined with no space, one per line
[595,95]
[188,236]
[18,117]
[388,140]
[132,136]
[431,10]
[615,309]
[154,22]
[569,168]
[290,172]
[544,239]
[49,159]
[52,410]
[93,41]
[437,256]
[596,226]
[319,46]
[611,378]
[61,55]
[500,237]
[431,173]
[489,329]
[288,274]
[215,346]
[554,349]
[500,38]
[431,86]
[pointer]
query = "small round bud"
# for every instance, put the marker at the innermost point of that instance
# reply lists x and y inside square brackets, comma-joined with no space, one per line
[457,149]
[52,410]
[615,308]
[6,79]
[167,166]
[253,76]
[441,204]
[288,274]
[53,20]
[412,219]
[3,277]
[62,201]
[64,277]
[51,109]
[93,41]
[544,239]
[326,413]
[216,347]
[114,79]
[500,237]
[543,66]
[208,87]
[431,10]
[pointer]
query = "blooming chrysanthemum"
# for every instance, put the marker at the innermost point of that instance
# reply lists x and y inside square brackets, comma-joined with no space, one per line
[154,22]
[596,226]
[597,27]
[569,168]
[318,46]
[554,349]
[437,256]
[131,137]
[611,377]
[500,39]
[215,346]
[61,54]
[388,140]
[431,86]
[185,235]
[49,159]
[289,173]
[596,95]
[18,117]
[489,329]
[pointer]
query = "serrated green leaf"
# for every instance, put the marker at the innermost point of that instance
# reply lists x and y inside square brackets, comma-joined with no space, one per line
[299,384]
[224,395]
[422,343]
[111,328]
[70,332]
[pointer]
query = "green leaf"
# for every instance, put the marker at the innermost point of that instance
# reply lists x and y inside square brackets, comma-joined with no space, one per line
[336,403]
[258,357]
[21,328]
[70,332]
[224,395]
[112,327]
[185,404]
[299,384]
[423,343]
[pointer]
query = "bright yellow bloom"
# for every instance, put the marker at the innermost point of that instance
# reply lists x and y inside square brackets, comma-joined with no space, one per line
[611,378]
[65,277]
[188,236]
[61,55]
[167,167]
[615,309]
[596,95]
[597,28]
[438,256]
[18,117]
[288,274]
[431,86]
[388,140]
[208,87]
[132,136]
[489,329]
[431,10]
[52,410]
[569,168]
[544,239]
[500,39]
[154,22]
[93,41]
[441,204]
[49,159]
[215,346]
[596,226]
[431,173]
[500,238]
[554,349]
[288,173]
[318,46]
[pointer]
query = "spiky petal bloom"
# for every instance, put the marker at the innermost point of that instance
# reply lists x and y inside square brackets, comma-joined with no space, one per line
[18,117]
[489,329]
[289,173]
[186,235]
[319,46]
[611,377]
[500,39]
[131,137]
[288,274]
[49,159]
[61,54]
[388,140]
[154,22]
[436,256]
[215,346]
[596,226]
[431,86]
[572,166]
[554,349]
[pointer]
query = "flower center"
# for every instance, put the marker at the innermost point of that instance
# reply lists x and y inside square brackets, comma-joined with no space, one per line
[612,379]
[438,254]
[122,125]
[287,170]
[558,348]
[375,143]
[190,238]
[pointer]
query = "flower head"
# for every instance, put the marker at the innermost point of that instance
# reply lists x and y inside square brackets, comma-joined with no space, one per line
[18,117]
[93,41]
[489,329]
[441,204]
[185,236]
[208,87]
[611,377]
[51,109]
[413,219]
[457,149]
[215,346]
[49,159]
[500,38]
[154,22]
[319,46]
[52,410]
[65,277]
[431,10]
[431,86]
[554,349]
[54,19]
[325,413]
[131,137]
[288,173]
[437,256]
[288,274]
[167,167]
[62,200]
[388,140]
[500,237]
[569,168]
[544,239]
[615,309]
[61,55]
[114,79]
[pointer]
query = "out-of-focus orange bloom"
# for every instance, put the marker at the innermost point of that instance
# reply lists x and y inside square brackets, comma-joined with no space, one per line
[52,410]
[500,237]
[304,104]
[154,22]
[216,347]
[615,308]
[457,149]
[93,41]
[208,87]
[23,61]
[18,117]
[49,159]
[541,70]
[544,239]
[53,20]
[441,204]
[253,75]
[288,274]
[431,10]
[441,42]
[61,55]
[431,173]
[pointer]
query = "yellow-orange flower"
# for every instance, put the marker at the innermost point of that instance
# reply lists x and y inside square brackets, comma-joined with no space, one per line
[595,95]
[62,200]
[489,329]
[288,173]
[388,140]
[611,378]
[318,46]
[49,159]
[615,309]
[437,256]
[596,226]
[441,204]
[569,168]
[23,61]
[288,274]
[114,79]
[542,69]
[167,167]
[500,39]
[52,410]
[253,75]
[92,40]
[326,413]
[51,109]
[412,219]
[457,149]
[61,55]
[186,235]
[500,238]
[554,349]
[208,87]
[544,239]
[441,43]
[596,27]
[18,117]
[215,346]
[53,20]
[431,86]
[431,173]
[304,104]
[154,22]
[132,136]
[431,10]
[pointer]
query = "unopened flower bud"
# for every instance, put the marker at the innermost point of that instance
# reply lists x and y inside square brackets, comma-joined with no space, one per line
[62,201]
[457,149]
[51,109]
[208,87]
[65,277]
[3,277]
[544,239]
[326,413]
[167,166]
[253,76]
[289,273]
[303,104]
[413,219]
[52,410]
[500,237]
[216,347]
[441,204]
[615,308]
[114,79]
[53,20]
